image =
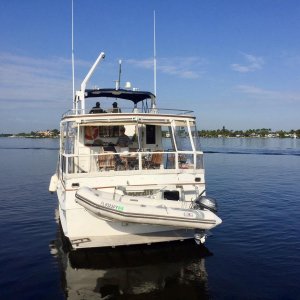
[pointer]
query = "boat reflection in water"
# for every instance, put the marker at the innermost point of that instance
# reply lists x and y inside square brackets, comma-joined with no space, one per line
[174,270]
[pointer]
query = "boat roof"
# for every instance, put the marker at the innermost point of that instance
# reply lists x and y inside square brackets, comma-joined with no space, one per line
[134,96]
[112,119]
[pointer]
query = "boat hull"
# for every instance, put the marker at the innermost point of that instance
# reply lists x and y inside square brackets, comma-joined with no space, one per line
[81,242]
[84,230]
[92,232]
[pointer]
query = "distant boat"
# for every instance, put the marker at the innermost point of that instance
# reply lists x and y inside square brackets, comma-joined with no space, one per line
[150,190]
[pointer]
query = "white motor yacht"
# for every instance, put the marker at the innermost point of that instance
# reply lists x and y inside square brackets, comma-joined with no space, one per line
[144,187]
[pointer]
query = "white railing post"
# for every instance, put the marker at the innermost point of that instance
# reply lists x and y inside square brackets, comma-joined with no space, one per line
[176,161]
[140,160]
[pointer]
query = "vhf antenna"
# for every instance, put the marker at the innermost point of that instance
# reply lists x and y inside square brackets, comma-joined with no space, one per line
[118,82]
[73,67]
[154,52]
[120,71]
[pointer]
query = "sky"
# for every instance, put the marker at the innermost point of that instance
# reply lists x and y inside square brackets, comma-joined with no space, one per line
[234,63]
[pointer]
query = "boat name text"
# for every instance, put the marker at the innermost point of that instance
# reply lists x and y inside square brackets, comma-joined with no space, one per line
[112,206]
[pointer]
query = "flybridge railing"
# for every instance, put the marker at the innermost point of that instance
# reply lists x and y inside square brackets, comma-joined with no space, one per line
[125,110]
[131,161]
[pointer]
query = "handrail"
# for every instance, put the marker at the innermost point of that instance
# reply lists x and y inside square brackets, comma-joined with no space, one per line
[179,112]
[128,161]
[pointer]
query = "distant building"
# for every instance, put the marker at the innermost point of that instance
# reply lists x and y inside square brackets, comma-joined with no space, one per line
[46,133]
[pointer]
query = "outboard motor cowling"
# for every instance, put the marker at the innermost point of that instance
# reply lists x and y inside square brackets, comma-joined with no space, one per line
[204,202]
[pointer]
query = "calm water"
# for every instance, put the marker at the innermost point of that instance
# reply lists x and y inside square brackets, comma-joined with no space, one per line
[254,254]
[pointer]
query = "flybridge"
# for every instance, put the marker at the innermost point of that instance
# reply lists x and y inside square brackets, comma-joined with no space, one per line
[134,96]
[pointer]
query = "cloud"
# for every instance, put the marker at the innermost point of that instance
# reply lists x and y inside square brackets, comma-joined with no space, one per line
[253,63]
[253,90]
[187,67]
[30,80]
[269,95]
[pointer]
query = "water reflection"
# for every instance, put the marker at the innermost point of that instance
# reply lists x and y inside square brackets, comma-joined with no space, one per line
[164,271]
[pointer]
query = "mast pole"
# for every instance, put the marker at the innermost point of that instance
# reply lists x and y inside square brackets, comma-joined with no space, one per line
[154,52]
[120,70]
[73,67]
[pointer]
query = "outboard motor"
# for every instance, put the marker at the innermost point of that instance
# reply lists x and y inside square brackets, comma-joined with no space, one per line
[204,202]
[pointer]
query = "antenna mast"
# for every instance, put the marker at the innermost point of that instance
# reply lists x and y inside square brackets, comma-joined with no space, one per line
[120,70]
[154,51]
[73,67]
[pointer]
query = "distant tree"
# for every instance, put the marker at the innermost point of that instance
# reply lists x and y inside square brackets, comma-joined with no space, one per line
[55,132]
[264,131]
[281,134]
[22,134]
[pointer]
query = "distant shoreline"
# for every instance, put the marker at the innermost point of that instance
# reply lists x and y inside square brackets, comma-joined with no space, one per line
[28,137]
[219,133]
[41,134]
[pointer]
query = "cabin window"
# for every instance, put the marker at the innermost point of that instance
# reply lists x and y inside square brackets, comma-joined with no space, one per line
[182,138]
[95,135]
[167,138]
[68,137]
[109,131]
[150,135]
[171,195]
[196,138]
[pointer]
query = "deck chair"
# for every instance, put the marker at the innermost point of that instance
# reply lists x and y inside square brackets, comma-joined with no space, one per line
[106,161]
[156,161]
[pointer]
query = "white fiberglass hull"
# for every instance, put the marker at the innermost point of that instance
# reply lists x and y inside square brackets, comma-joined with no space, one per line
[92,232]
[84,230]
